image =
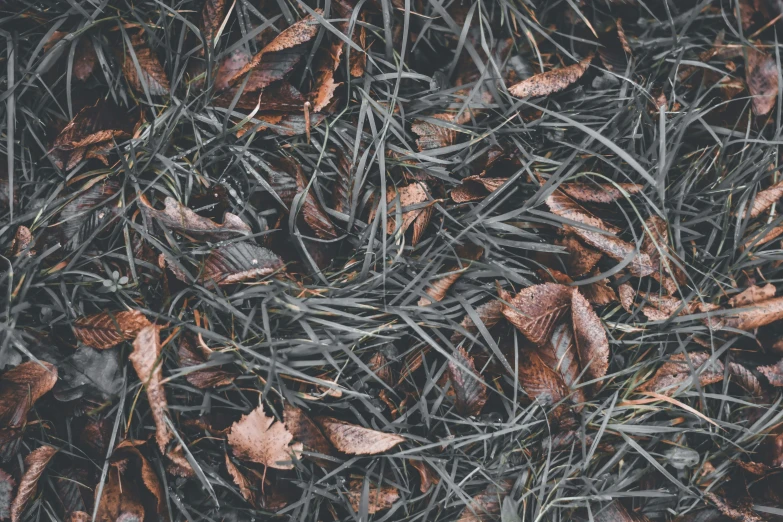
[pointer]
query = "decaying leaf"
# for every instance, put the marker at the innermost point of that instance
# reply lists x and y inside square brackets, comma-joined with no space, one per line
[600,192]
[211,20]
[590,336]
[677,371]
[245,486]
[536,310]
[120,499]
[485,506]
[237,262]
[143,475]
[258,438]
[378,499]
[437,289]
[324,75]
[773,373]
[176,216]
[604,238]
[758,315]
[490,314]
[414,194]
[35,463]
[379,364]
[192,355]
[615,512]
[435,136]
[357,440]
[21,387]
[314,214]
[599,293]
[7,484]
[752,295]
[765,199]
[470,393]
[152,73]
[475,188]
[741,511]
[745,378]
[761,75]
[23,239]
[539,380]
[655,244]
[552,81]
[581,259]
[107,329]
[305,430]
[427,476]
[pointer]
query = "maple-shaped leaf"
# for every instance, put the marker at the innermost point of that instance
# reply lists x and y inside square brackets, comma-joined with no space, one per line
[765,199]
[591,342]
[377,498]
[475,188]
[552,81]
[470,393]
[752,295]
[679,370]
[600,192]
[237,262]
[34,464]
[357,440]
[604,239]
[259,438]
[761,76]
[485,506]
[490,313]
[107,329]
[178,217]
[21,387]
[305,430]
[437,288]
[538,309]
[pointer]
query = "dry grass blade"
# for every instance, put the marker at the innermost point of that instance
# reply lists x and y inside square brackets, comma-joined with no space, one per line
[600,192]
[357,440]
[107,329]
[21,387]
[258,438]
[616,512]
[761,75]
[550,82]
[590,336]
[537,310]
[677,371]
[378,499]
[469,392]
[35,463]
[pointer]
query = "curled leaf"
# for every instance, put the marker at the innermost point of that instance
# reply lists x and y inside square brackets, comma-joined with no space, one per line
[539,380]
[469,392]
[655,244]
[437,289]
[536,310]
[177,216]
[409,195]
[261,439]
[765,199]
[245,486]
[237,262]
[35,463]
[677,371]
[21,387]
[324,79]
[552,81]
[146,361]
[378,499]
[427,476]
[357,440]
[745,378]
[22,242]
[190,355]
[107,329]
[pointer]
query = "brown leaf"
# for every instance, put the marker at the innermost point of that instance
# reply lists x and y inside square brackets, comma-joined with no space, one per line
[427,476]
[469,392]
[230,65]
[21,387]
[581,260]
[766,198]
[260,439]
[615,512]
[409,195]
[324,75]
[655,244]
[434,136]
[539,380]
[437,288]
[741,511]
[129,448]
[485,506]
[176,216]
[561,356]
[600,192]
[590,336]
[761,314]
[357,440]
[35,463]
[22,241]
[536,310]
[152,72]
[475,188]
[212,19]
[120,499]
[92,126]
[552,81]
[745,378]
[762,236]
[278,57]
[190,355]
[84,59]
[79,516]
[314,214]
[245,486]
[237,262]
[378,499]
[305,430]
[146,361]
[752,295]
[358,60]
[761,75]
[773,373]
[677,371]
[599,293]
[380,366]
[107,329]
[7,484]
[490,314]
[563,206]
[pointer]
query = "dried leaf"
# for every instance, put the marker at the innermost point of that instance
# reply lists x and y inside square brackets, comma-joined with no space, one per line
[107,329]
[561,356]
[212,19]
[435,136]
[437,288]
[22,242]
[745,378]
[177,216]
[79,516]
[378,499]
[129,448]
[305,430]
[581,260]
[245,486]
[357,440]
[761,75]
[189,355]
[752,295]
[314,214]
[146,361]
[152,72]
[380,366]
[536,310]
[35,463]
[599,293]
[773,373]
[427,476]
[236,262]
[84,59]
[324,75]
[655,244]
[409,195]
[591,342]
[600,192]
[120,500]
[677,371]
[229,67]
[260,439]
[485,506]
[615,512]
[7,485]
[475,188]
[552,81]
[539,380]
[761,314]
[92,126]
[490,314]
[563,206]
[766,198]
[21,387]
[742,511]
[469,392]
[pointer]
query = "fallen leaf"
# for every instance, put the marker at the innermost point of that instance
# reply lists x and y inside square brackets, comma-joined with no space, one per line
[490,314]
[378,499]
[437,288]
[560,354]
[600,192]
[591,342]
[258,438]
[96,374]
[745,378]
[305,430]
[357,440]
[212,19]
[190,355]
[615,51]
[765,199]
[245,486]
[152,73]
[563,206]
[539,381]
[144,475]
[761,314]
[655,244]
[120,499]
[237,262]
[427,476]
[314,214]
[34,464]
[475,188]
[84,59]
[92,126]
[581,260]
[435,136]
[79,516]
[469,392]
[485,506]
[107,329]
[773,373]
[21,387]
[324,75]
[752,295]
[599,293]
[22,242]
[552,81]
[537,310]
[741,511]
[178,217]
[615,512]
[677,371]
[7,484]
[146,361]
[761,75]
[380,366]
[231,64]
